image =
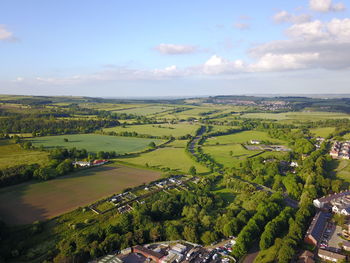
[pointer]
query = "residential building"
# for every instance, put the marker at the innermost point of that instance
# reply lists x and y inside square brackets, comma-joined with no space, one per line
[331,256]
[148,253]
[306,257]
[316,228]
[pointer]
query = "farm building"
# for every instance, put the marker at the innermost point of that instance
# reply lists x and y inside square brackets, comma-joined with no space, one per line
[99,162]
[82,163]
[255,141]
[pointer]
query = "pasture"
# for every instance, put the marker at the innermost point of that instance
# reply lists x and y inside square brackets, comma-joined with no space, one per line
[145,110]
[95,142]
[343,170]
[171,157]
[174,130]
[28,202]
[12,154]
[322,132]
[241,137]
[298,116]
[229,155]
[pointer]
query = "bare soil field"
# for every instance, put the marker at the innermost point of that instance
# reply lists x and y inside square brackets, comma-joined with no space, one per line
[28,202]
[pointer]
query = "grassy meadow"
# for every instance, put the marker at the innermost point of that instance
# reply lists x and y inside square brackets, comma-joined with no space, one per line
[95,142]
[298,116]
[174,130]
[322,132]
[28,202]
[241,137]
[172,157]
[343,170]
[12,154]
[222,154]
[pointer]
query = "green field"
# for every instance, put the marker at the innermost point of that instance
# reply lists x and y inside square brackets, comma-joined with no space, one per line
[175,130]
[173,158]
[322,132]
[298,116]
[221,154]
[12,154]
[241,137]
[146,110]
[343,170]
[95,142]
[347,136]
[29,202]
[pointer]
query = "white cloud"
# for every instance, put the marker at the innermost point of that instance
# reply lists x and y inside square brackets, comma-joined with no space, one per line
[5,34]
[329,40]
[310,30]
[172,49]
[284,16]
[241,26]
[282,62]
[218,65]
[326,6]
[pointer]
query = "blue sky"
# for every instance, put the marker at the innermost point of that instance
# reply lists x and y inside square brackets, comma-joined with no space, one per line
[174,48]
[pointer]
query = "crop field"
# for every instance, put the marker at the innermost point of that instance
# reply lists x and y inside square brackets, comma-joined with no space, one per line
[241,137]
[222,154]
[29,202]
[171,157]
[95,142]
[175,130]
[343,170]
[322,132]
[298,116]
[12,154]
[146,110]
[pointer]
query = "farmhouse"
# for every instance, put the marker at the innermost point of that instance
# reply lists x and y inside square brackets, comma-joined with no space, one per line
[82,164]
[316,228]
[255,141]
[331,256]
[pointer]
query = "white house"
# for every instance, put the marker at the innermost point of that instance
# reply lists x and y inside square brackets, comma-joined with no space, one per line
[255,141]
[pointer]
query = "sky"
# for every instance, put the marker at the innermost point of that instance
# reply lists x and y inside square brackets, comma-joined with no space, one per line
[140,48]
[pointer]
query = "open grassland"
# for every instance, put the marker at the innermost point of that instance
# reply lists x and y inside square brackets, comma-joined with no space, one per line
[145,110]
[241,137]
[343,170]
[322,132]
[222,128]
[171,157]
[347,136]
[108,106]
[29,202]
[175,130]
[298,116]
[178,144]
[95,142]
[229,155]
[12,154]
